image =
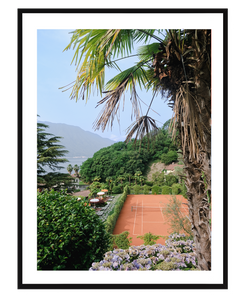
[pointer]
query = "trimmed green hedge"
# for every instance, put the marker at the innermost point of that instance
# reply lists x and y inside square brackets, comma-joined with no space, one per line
[146,189]
[112,219]
[155,190]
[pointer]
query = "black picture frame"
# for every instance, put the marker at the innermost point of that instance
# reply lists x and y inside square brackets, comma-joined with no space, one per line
[20,284]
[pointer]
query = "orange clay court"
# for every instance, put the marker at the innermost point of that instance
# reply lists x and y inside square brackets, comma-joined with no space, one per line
[148,218]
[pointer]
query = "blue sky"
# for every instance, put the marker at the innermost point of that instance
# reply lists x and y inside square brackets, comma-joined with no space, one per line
[54,70]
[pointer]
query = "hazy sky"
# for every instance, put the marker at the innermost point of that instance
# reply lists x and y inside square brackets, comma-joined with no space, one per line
[54,70]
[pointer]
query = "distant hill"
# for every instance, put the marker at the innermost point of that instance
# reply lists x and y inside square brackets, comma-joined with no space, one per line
[76,140]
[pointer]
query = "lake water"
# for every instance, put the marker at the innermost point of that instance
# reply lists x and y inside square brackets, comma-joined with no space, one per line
[71,160]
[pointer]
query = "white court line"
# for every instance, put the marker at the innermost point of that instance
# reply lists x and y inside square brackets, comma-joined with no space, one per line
[161,212]
[155,222]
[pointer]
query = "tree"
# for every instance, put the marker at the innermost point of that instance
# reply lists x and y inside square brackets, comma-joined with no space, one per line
[176,218]
[49,154]
[109,179]
[137,176]
[169,157]
[120,178]
[76,169]
[70,168]
[141,179]
[129,176]
[179,66]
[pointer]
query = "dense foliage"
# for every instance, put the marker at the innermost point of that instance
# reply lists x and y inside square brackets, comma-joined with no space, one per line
[121,241]
[178,254]
[49,154]
[149,238]
[125,159]
[169,157]
[112,219]
[70,235]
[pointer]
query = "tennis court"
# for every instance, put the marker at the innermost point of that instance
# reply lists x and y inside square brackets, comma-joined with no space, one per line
[144,213]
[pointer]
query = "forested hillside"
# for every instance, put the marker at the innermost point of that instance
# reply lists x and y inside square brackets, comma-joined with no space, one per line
[126,159]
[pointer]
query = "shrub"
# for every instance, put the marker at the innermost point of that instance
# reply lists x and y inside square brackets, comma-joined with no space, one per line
[149,238]
[116,190]
[146,189]
[121,240]
[166,190]
[178,254]
[176,188]
[69,233]
[136,189]
[149,183]
[170,179]
[155,190]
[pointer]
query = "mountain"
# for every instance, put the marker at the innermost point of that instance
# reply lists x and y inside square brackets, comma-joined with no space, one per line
[76,140]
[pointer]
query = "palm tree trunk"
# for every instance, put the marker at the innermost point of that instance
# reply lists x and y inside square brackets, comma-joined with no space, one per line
[198,179]
[199,211]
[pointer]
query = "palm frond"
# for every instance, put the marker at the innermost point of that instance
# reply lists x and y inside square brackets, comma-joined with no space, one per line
[144,126]
[139,77]
[111,107]
[147,51]
[95,46]
[146,34]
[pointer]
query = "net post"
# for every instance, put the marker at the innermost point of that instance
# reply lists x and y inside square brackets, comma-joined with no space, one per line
[131,208]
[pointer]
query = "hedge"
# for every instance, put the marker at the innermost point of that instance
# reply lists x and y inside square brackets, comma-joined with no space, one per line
[166,190]
[176,188]
[137,189]
[112,219]
[146,189]
[155,190]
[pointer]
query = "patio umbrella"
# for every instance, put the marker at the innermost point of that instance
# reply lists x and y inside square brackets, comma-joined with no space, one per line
[100,193]
[94,201]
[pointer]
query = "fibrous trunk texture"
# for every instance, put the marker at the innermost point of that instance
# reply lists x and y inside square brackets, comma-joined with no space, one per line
[185,77]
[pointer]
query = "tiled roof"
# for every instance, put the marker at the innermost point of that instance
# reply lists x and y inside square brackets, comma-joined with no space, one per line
[172,166]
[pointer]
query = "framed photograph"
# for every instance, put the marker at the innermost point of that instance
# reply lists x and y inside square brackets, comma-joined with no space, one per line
[41,79]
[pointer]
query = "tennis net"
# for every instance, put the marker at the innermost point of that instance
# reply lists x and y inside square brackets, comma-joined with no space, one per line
[147,208]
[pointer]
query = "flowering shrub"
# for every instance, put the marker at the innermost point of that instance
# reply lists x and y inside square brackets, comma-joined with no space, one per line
[70,235]
[178,254]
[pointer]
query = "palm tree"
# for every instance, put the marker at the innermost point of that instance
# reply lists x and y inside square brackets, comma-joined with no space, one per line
[141,179]
[69,169]
[76,169]
[109,179]
[120,178]
[129,176]
[137,176]
[179,66]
